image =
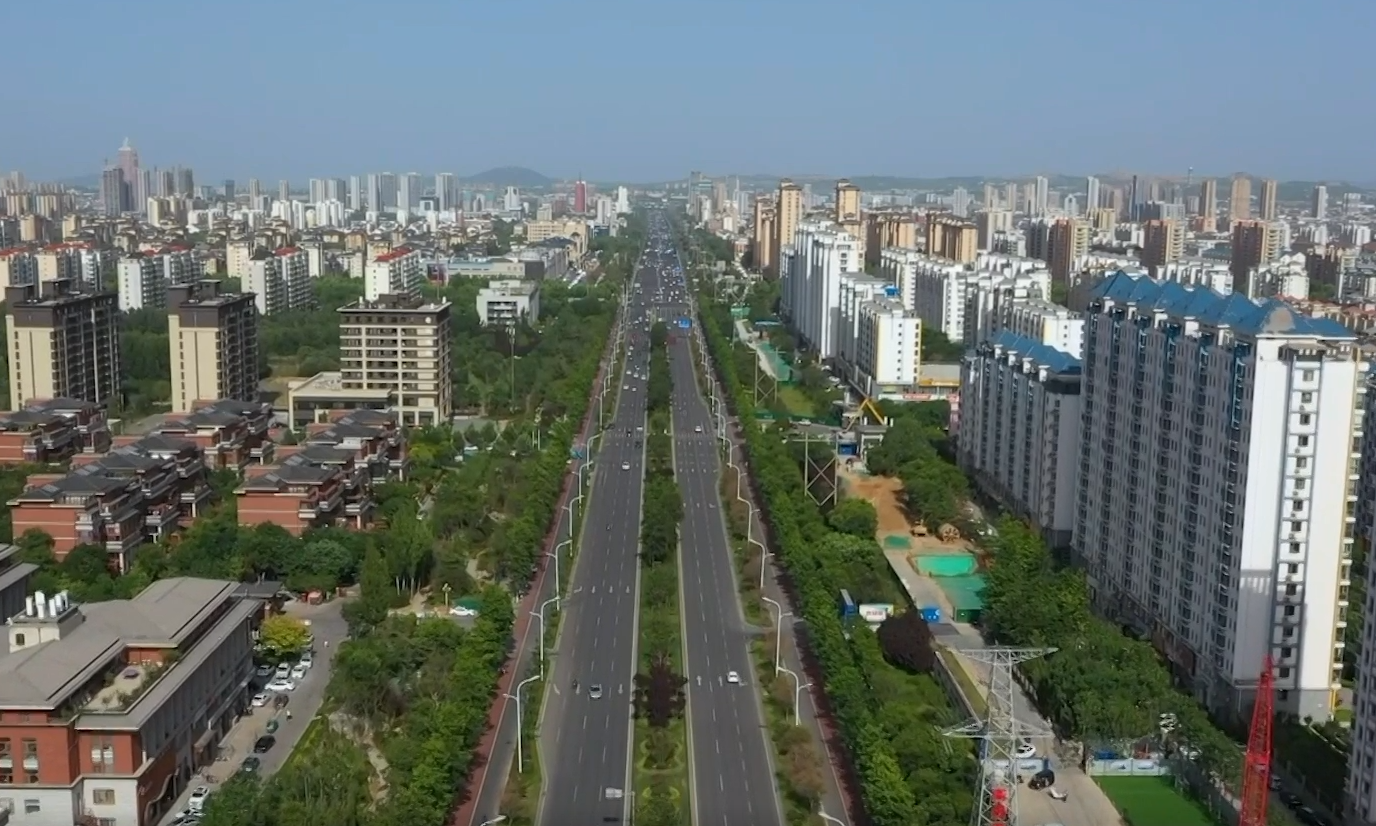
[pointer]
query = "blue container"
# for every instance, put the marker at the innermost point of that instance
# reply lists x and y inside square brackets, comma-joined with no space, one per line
[931,614]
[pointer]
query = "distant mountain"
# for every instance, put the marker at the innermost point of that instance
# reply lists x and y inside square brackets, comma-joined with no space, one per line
[517,176]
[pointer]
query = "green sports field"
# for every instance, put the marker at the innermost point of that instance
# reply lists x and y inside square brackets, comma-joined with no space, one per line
[1152,801]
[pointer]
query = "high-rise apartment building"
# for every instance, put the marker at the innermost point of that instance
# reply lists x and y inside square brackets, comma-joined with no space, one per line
[1163,241]
[952,238]
[989,223]
[279,280]
[213,338]
[1254,243]
[847,202]
[145,277]
[788,214]
[357,196]
[402,345]
[1208,205]
[1240,199]
[114,192]
[62,343]
[810,271]
[127,159]
[1319,206]
[1041,194]
[445,191]
[398,272]
[1266,203]
[1019,412]
[763,229]
[1067,240]
[1091,194]
[389,191]
[409,191]
[1216,467]
[888,229]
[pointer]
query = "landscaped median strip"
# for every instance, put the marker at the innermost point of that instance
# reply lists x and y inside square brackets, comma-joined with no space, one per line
[660,760]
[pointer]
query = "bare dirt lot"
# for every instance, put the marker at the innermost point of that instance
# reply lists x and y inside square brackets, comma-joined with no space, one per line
[886,494]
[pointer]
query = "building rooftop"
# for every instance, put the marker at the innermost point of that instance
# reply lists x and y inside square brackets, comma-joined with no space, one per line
[1057,361]
[1270,317]
[331,385]
[92,638]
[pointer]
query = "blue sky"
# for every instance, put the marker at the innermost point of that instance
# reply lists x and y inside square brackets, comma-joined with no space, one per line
[625,90]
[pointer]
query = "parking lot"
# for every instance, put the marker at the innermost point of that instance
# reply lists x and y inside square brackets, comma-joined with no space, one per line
[303,702]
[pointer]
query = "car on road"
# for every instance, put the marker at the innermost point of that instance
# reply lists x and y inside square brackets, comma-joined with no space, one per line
[733,678]
[281,684]
[264,744]
[250,765]
[697,429]
[595,691]
[1026,751]
[298,671]
[625,465]
[265,671]
[260,699]
[283,671]
[196,801]
[307,658]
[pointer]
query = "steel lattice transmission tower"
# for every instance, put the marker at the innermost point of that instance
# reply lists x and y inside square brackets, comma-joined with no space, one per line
[999,733]
[1256,767]
[819,471]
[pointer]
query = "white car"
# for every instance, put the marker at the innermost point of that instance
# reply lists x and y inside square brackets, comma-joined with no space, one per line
[283,671]
[307,659]
[298,672]
[697,429]
[197,800]
[595,692]
[281,685]
[260,699]
[1026,751]
[733,678]
[625,465]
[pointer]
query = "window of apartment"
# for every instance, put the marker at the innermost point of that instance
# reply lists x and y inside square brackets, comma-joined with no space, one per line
[102,755]
[1306,398]
[1297,505]
[103,797]
[1296,527]
[1304,441]
[1283,673]
[1307,375]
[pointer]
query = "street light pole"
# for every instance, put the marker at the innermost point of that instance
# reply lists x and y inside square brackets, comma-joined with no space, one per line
[778,629]
[540,615]
[797,695]
[520,754]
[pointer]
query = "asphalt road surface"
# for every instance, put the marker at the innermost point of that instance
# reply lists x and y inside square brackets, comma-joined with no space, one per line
[585,740]
[733,771]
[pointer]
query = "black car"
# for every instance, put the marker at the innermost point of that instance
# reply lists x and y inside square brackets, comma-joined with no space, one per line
[264,744]
[250,765]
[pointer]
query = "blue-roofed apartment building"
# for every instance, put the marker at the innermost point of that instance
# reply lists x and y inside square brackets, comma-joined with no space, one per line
[1218,465]
[1019,430]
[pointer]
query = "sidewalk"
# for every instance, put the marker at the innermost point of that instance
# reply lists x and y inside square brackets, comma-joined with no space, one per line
[480,798]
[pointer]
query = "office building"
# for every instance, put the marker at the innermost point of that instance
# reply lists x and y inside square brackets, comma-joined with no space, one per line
[1019,417]
[144,277]
[507,303]
[399,344]
[62,343]
[280,280]
[398,272]
[1240,199]
[122,703]
[213,338]
[1216,476]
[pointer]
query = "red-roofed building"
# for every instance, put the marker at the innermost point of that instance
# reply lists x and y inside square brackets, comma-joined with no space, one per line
[398,272]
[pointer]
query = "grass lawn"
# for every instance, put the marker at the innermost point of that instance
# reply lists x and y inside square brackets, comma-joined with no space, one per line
[795,402]
[1152,801]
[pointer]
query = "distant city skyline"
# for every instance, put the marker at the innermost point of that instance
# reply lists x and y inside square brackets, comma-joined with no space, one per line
[634,91]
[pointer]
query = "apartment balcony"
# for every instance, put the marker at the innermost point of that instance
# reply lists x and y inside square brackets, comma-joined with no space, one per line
[263,453]
[161,517]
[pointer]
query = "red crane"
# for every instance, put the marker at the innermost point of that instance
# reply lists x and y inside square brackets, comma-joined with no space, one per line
[1256,767]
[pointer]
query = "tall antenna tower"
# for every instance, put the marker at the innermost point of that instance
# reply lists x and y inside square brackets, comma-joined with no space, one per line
[999,735]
